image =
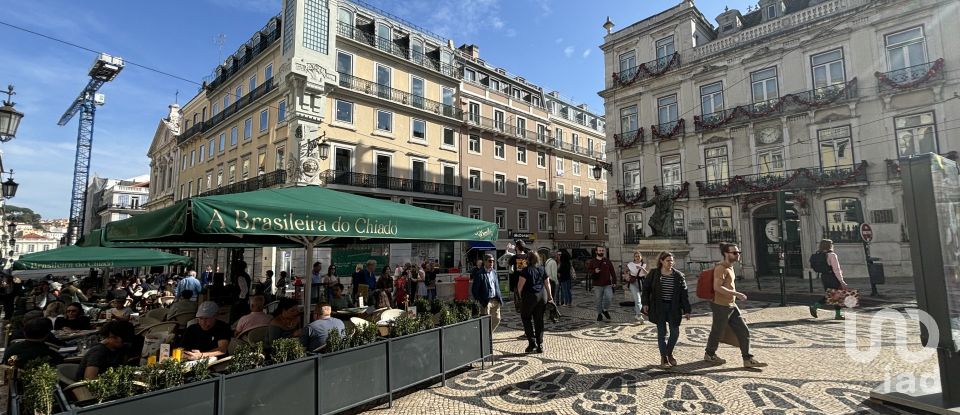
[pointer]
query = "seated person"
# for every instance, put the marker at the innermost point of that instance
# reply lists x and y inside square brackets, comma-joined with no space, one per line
[340,300]
[315,335]
[110,352]
[74,319]
[184,305]
[286,320]
[119,311]
[34,347]
[256,318]
[209,337]
[53,310]
[19,332]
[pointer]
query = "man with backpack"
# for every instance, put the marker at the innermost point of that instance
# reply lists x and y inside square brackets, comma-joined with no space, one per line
[721,281]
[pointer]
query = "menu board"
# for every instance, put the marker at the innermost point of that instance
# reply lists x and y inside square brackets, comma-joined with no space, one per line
[946,187]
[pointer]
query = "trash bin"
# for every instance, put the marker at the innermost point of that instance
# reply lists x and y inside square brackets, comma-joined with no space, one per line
[875,270]
[461,288]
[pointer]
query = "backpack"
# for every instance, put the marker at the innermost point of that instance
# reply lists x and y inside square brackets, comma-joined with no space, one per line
[818,262]
[705,284]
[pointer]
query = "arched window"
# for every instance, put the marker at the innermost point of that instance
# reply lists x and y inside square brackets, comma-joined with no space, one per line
[417,52]
[345,17]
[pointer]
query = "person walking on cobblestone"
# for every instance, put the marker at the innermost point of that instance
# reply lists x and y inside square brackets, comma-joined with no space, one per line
[534,288]
[666,303]
[602,274]
[825,262]
[565,278]
[725,311]
[636,271]
[486,290]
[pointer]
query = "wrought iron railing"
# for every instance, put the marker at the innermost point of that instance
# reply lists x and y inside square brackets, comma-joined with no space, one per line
[261,181]
[842,234]
[652,69]
[508,129]
[667,130]
[721,235]
[398,96]
[374,181]
[911,76]
[120,206]
[266,40]
[218,118]
[389,46]
[802,178]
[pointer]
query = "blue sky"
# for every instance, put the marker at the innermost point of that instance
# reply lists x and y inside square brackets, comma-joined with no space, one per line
[553,43]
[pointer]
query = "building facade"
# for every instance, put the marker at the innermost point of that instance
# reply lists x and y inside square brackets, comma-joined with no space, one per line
[817,99]
[110,200]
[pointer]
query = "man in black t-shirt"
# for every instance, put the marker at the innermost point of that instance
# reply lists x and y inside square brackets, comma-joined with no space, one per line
[34,347]
[517,263]
[108,353]
[209,337]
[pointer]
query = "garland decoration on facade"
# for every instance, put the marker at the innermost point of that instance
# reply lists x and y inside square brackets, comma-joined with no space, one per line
[642,71]
[774,183]
[933,71]
[677,129]
[626,142]
[752,111]
[684,191]
[801,200]
[638,198]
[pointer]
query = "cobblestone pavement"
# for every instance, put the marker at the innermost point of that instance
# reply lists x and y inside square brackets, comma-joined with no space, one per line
[592,368]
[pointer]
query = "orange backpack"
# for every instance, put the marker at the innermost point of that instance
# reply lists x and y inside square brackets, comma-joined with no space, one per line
[705,284]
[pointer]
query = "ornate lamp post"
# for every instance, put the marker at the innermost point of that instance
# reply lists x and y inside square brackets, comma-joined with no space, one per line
[9,117]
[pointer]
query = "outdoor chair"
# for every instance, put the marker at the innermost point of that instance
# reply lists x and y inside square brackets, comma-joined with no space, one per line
[158,314]
[234,344]
[78,392]
[269,308]
[67,373]
[255,335]
[183,318]
[358,322]
[162,327]
[167,300]
[221,365]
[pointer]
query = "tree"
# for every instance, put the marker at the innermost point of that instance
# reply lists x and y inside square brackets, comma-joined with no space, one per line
[22,215]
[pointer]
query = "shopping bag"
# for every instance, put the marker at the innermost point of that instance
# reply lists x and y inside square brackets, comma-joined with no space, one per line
[845,298]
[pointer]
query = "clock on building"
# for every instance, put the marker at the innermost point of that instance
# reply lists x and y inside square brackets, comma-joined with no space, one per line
[769,135]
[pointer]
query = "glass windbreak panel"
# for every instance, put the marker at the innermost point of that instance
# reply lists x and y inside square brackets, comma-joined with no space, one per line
[946,189]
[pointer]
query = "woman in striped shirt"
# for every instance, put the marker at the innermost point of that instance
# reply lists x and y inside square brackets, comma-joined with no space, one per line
[665,300]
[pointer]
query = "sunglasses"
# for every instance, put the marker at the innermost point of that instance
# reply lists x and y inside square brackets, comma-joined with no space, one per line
[734,252]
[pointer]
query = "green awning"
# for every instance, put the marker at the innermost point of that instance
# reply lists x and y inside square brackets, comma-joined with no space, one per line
[275,216]
[96,257]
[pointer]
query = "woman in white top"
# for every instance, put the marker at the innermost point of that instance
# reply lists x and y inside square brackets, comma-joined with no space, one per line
[636,271]
[421,282]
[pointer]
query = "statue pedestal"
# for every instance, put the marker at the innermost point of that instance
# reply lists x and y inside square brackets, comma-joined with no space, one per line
[651,248]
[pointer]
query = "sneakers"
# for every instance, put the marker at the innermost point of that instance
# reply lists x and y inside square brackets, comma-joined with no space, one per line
[639,318]
[539,348]
[839,318]
[664,363]
[606,314]
[599,317]
[531,348]
[753,363]
[813,310]
[712,358]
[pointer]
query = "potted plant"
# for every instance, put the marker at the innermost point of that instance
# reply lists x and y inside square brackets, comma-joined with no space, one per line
[39,381]
[287,349]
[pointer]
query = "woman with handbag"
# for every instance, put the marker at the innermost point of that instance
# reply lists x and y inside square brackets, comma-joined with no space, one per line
[636,271]
[666,303]
[825,262]
[534,289]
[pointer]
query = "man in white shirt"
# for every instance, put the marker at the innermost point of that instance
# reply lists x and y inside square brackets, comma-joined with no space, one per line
[551,266]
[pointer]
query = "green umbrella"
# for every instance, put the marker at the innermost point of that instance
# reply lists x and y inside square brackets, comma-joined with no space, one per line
[96,257]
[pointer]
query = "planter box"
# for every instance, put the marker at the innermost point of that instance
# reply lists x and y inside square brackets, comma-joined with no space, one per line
[461,344]
[352,377]
[289,387]
[414,358]
[486,337]
[199,398]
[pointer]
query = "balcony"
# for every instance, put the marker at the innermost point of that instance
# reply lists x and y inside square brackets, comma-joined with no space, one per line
[842,234]
[652,69]
[715,236]
[373,181]
[390,47]
[401,97]
[268,36]
[261,181]
[631,196]
[786,180]
[790,103]
[234,108]
[120,206]
[633,238]
[628,139]
[510,130]
[667,130]
[910,77]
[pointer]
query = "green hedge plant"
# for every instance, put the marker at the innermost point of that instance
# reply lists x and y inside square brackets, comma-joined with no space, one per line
[39,383]
[287,349]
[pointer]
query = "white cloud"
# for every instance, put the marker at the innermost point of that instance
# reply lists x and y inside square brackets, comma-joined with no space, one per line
[568,51]
[545,9]
[586,52]
[496,22]
[558,41]
[460,20]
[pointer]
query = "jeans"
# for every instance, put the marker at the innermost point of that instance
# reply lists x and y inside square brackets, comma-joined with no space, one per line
[665,344]
[566,292]
[635,292]
[431,293]
[722,316]
[555,290]
[531,312]
[602,295]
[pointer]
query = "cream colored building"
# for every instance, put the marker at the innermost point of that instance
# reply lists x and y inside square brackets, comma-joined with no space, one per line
[819,98]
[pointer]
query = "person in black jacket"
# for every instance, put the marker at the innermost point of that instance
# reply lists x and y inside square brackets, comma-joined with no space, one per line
[665,300]
[534,288]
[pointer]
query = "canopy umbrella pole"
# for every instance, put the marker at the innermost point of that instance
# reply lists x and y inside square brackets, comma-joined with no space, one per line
[308,244]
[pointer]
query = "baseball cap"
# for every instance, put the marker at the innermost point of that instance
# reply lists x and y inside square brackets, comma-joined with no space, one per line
[207,309]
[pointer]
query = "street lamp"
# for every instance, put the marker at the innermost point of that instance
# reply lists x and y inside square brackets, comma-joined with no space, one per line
[9,187]
[324,150]
[9,117]
[11,228]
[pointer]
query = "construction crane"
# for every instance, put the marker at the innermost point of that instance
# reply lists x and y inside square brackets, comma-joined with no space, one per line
[104,70]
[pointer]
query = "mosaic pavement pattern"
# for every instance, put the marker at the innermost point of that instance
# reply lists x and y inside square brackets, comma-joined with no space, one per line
[609,368]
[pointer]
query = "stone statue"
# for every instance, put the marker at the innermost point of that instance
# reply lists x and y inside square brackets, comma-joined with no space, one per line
[661,222]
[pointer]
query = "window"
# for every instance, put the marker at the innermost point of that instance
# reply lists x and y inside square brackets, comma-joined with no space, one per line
[345,67]
[449,137]
[521,128]
[541,159]
[559,132]
[210,147]
[499,183]
[606,226]
[836,148]
[416,51]
[671,171]
[261,161]
[541,190]
[575,141]
[772,11]
[665,50]
[716,164]
[576,167]
[500,218]
[245,168]
[384,37]
[628,65]
[345,16]
[562,223]
[469,75]
[521,155]
[763,85]
[238,93]
[281,155]
[223,141]
[475,212]
[827,69]
[474,183]
[906,49]
[183,163]
[446,94]
[576,194]
[417,89]
[282,111]
[419,128]
[577,224]
[721,224]
[770,162]
[498,123]
[628,120]
[193,157]
[226,101]
[916,134]
[384,120]
[560,194]
[631,178]
[558,161]
[247,128]
[253,83]
[593,225]
[667,111]
[449,174]
[592,196]
[711,98]
[541,133]
[499,150]
[543,222]
[474,143]
[840,226]
[383,81]
[220,177]
[268,72]
[521,186]
[344,111]
[678,226]
[216,109]
[202,148]
[264,120]
[232,173]
[474,110]
[523,222]
[233,136]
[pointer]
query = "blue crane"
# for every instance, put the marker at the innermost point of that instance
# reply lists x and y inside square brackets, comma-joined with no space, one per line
[104,70]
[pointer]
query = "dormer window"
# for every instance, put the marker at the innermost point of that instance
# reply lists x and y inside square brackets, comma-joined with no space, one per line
[771,12]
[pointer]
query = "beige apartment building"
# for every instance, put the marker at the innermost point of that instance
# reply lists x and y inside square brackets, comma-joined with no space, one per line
[818,98]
